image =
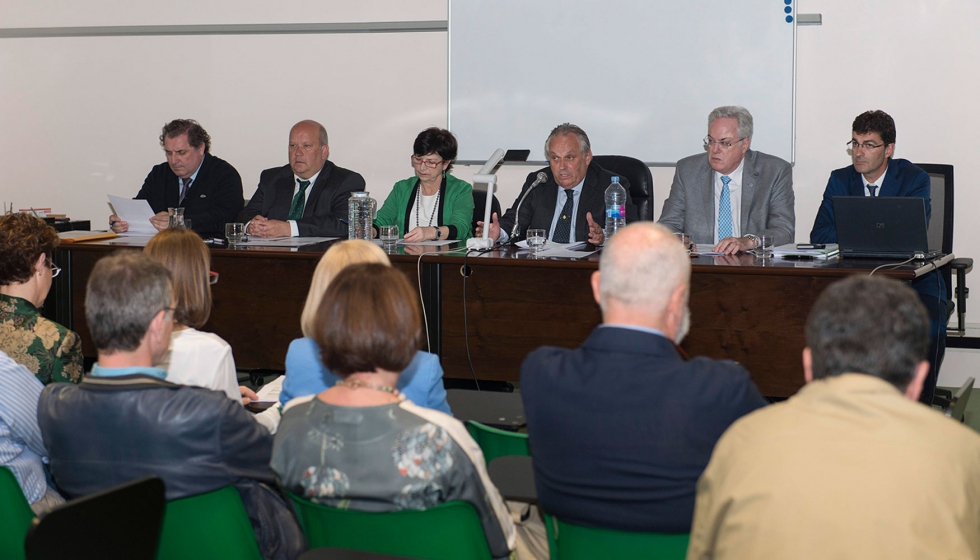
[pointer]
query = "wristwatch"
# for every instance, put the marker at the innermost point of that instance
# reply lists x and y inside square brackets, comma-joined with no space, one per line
[755,240]
[438,233]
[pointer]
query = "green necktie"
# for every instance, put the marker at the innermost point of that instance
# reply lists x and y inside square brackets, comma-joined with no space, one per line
[299,201]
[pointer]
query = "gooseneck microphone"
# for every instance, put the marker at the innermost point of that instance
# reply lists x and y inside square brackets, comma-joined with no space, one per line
[541,178]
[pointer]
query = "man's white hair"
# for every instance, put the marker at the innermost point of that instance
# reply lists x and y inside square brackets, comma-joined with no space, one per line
[641,266]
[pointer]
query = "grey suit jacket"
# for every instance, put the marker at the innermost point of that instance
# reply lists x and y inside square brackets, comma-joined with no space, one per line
[768,203]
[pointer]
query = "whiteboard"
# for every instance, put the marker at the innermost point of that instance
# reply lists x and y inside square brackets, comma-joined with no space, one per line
[639,77]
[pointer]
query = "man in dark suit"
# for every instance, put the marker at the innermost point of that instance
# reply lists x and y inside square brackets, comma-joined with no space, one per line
[622,427]
[570,205]
[730,195]
[208,188]
[308,197]
[874,173]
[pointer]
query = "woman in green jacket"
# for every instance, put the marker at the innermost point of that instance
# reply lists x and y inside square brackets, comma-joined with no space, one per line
[432,205]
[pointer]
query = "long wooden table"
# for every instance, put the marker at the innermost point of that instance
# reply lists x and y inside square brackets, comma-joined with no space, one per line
[486,312]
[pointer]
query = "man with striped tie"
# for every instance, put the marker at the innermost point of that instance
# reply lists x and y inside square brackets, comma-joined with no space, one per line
[731,195]
[208,188]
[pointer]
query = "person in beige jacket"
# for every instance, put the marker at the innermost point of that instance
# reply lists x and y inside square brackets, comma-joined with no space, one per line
[851,466]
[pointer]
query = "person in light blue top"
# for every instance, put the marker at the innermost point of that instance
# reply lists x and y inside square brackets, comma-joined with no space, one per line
[420,382]
[21,444]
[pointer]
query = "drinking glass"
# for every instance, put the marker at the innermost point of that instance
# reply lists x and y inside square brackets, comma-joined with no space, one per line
[234,232]
[176,217]
[536,239]
[388,234]
[764,249]
[686,241]
[187,223]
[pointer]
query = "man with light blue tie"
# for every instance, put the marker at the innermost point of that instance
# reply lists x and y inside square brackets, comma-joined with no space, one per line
[730,196]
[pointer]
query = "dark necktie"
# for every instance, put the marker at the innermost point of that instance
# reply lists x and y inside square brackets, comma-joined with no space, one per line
[183,191]
[564,227]
[299,201]
[872,189]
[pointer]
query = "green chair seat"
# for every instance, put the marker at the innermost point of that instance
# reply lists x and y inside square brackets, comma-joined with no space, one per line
[212,526]
[15,516]
[498,443]
[576,542]
[449,531]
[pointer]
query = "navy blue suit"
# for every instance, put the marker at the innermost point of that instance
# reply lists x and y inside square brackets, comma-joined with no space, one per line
[902,178]
[213,199]
[621,428]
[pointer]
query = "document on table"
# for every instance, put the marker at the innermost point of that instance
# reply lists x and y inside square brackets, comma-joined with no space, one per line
[705,250]
[136,212]
[561,250]
[285,241]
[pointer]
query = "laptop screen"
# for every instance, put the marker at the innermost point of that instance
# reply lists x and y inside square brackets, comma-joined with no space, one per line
[883,226]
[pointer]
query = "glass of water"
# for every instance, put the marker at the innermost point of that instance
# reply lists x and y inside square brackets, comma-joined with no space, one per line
[764,248]
[388,234]
[234,233]
[176,217]
[536,239]
[686,241]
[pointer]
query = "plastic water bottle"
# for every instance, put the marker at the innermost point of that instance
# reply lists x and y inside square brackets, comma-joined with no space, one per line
[615,208]
[361,209]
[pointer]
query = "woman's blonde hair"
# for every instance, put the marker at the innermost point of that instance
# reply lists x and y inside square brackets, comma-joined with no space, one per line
[338,257]
[187,258]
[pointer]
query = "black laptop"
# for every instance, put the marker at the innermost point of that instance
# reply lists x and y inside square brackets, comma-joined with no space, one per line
[882,227]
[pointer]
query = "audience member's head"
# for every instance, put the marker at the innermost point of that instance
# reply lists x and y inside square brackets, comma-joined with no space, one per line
[368,321]
[129,295]
[187,258]
[643,279]
[26,246]
[339,256]
[873,326]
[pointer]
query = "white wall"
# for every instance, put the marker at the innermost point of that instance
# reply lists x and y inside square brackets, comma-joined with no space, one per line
[915,59]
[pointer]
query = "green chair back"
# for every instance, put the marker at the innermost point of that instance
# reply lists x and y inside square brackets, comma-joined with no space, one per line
[15,516]
[209,526]
[498,443]
[449,531]
[575,542]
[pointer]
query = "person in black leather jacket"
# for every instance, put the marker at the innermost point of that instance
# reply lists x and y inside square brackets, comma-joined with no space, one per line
[125,421]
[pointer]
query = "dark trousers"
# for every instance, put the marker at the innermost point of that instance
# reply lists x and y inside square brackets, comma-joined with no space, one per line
[937,344]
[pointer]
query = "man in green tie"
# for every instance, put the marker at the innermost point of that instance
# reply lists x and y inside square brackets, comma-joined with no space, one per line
[308,197]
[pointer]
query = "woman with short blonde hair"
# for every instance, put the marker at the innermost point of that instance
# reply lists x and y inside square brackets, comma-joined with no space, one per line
[306,374]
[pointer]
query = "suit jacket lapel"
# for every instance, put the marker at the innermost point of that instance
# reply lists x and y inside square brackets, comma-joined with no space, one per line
[749,175]
[890,185]
[284,195]
[590,190]
[549,199]
[857,185]
[316,189]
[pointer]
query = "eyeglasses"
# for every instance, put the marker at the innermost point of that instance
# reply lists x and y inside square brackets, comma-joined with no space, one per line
[867,146]
[55,269]
[169,310]
[726,144]
[212,277]
[427,163]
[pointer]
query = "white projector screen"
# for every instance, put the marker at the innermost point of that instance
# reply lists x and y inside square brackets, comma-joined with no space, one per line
[639,76]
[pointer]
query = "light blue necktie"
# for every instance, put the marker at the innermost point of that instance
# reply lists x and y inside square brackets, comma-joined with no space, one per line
[725,209]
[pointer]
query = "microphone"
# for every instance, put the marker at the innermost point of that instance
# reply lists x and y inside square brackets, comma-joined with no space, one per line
[541,178]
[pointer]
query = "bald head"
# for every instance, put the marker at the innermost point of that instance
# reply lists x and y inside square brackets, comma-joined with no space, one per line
[308,149]
[643,278]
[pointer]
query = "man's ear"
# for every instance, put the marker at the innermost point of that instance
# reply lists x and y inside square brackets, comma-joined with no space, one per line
[914,389]
[807,365]
[595,285]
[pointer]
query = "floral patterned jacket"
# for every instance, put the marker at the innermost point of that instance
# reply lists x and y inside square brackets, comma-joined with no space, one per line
[50,351]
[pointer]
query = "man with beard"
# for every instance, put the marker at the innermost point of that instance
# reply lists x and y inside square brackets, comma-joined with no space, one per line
[622,427]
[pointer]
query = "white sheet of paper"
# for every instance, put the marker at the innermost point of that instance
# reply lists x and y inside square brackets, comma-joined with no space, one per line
[136,212]
[705,250]
[563,250]
[270,391]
